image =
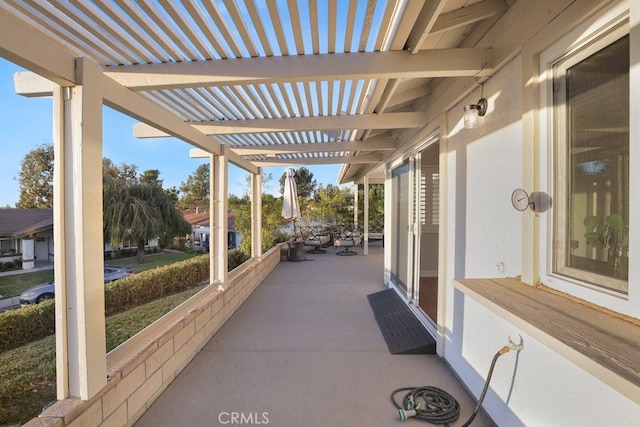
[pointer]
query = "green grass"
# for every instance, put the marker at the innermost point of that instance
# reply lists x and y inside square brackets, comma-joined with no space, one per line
[28,373]
[15,284]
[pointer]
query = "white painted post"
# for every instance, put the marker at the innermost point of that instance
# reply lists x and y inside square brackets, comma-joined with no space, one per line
[80,324]
[388,206]
[366,215]
[213,248]
[355,205]
[256,214]
[219,227]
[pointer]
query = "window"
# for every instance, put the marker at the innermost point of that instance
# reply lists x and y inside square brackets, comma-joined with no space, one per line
[429,198]
[591,180]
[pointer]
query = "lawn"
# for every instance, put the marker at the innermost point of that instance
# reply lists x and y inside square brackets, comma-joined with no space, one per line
[28,373]
[14,285]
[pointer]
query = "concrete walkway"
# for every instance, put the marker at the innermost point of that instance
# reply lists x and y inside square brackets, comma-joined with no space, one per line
[304,350]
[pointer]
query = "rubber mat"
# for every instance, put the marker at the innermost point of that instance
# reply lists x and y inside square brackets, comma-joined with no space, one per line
[402,331]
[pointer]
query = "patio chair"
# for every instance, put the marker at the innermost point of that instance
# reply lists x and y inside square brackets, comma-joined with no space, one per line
[348,240]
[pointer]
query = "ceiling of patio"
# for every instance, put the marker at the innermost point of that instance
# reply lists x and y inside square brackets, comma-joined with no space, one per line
[282,82]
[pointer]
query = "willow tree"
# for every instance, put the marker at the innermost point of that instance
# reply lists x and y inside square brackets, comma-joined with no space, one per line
[137,212]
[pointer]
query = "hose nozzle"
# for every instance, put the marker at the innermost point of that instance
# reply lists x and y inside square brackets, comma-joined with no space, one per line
[404,414]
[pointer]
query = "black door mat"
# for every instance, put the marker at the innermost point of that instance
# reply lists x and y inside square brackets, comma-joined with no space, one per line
[402,331]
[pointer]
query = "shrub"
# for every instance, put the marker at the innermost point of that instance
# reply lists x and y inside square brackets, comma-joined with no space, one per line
[235,258]
[149,285]
[21,326]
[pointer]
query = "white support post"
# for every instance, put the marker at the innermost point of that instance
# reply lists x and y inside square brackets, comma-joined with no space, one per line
[365,250]
[256,214]
[219,196]
[212,218]
[81,360]
[388,206]
[355,205]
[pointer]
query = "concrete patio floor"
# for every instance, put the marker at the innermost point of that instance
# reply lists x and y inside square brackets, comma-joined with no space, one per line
[304,350]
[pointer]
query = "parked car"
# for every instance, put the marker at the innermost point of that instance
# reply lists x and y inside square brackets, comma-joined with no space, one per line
[45,291]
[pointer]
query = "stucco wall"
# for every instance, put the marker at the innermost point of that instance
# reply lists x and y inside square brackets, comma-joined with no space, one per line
[484,166]
[536,386]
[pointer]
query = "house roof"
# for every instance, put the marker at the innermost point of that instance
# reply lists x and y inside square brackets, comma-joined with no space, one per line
[198,218]
[286,83]
[17,223]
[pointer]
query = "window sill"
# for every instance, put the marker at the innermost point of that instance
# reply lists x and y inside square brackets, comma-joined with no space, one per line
[605,346]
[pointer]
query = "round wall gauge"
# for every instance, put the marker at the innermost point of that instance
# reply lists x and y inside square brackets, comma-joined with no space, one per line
[520,199]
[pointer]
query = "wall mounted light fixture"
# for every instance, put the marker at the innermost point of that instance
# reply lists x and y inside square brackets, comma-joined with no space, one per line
[473,112]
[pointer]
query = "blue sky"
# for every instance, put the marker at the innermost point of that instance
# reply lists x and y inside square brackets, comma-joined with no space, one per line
[26,123]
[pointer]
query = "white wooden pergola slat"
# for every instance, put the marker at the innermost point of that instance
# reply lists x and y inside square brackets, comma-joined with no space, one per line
[259,26]
[296,26]
[186,27]
[277,27]
[146,30]
[121,45]
[240,26]
[128,28]
[205,29]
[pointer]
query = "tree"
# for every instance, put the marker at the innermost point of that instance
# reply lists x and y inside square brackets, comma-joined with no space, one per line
[36,178]
[125,172]
[304,181]
[174,194]
[195,192]
[333,205]
[376,207]
[272,221]
[138,211]
[151,176]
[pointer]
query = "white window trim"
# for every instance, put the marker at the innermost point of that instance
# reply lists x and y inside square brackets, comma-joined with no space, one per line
[593,28]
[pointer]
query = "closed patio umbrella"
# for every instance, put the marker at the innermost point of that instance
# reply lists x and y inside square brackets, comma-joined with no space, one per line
[291,212]
[290,206]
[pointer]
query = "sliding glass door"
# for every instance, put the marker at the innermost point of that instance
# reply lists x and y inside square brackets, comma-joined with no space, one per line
[400,244]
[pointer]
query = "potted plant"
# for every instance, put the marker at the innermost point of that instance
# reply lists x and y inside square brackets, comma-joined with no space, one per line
[612,234]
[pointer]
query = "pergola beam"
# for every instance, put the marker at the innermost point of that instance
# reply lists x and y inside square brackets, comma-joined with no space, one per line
[426,20]
[32,50]
[296,124]
[319,147]
[334,160]
[279,69]
[468,15]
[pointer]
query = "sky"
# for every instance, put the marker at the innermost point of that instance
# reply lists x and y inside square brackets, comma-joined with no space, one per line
[26,123]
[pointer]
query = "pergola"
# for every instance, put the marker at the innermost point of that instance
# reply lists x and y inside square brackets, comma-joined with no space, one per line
[255,83]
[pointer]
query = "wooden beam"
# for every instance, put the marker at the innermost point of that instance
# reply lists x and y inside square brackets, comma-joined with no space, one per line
[319,147]
[28,48]
[425,22]
[468,15]
[407,96]
[294,124]
[32,85]
[277,69]
[334,160]
[232,157]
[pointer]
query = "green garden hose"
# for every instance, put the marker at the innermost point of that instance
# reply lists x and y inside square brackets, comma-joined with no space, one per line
[435,405]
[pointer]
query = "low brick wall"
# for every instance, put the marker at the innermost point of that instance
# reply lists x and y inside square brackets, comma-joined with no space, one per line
[144,366]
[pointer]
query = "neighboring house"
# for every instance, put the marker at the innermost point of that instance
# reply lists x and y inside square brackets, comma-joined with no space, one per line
[199,220]
[26,234]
